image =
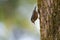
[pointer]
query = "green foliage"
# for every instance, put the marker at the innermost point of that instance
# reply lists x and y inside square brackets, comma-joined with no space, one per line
[8,10]
[13,2]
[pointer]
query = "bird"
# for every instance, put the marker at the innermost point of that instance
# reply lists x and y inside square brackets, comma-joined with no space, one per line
[34,15]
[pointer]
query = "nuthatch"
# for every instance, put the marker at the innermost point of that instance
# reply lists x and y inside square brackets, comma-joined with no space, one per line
[34,15]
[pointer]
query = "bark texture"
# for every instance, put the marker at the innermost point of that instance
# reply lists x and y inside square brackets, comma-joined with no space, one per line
[49,19]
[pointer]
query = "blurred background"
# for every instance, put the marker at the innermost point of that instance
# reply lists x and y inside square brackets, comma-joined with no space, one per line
[15,20]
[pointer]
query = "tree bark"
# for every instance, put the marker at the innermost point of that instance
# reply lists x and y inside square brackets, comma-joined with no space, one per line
[49,19]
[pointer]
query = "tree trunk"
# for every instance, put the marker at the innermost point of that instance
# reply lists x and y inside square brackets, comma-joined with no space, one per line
[49,19]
